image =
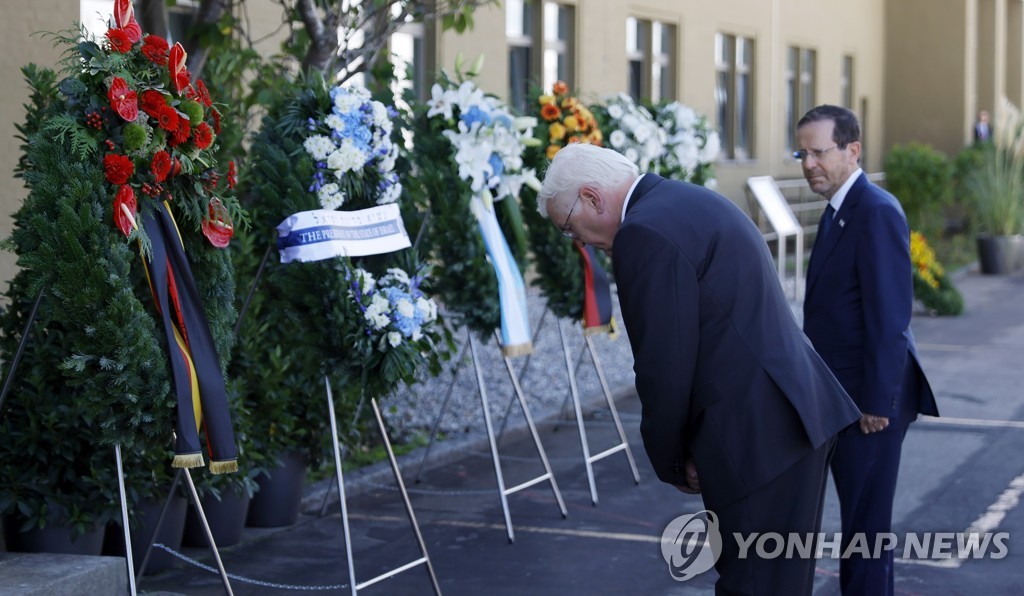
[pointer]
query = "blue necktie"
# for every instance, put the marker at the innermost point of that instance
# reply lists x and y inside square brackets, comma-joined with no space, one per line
[826,221]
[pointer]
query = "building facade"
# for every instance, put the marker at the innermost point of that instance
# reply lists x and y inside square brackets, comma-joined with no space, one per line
[911,69]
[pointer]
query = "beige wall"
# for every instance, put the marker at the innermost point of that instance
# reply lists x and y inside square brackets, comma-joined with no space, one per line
[19,48]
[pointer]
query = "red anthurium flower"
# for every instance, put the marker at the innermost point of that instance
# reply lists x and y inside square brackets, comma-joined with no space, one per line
[176,167]
[123,100]
[119,41]
[176,65]
[217,227]
[155,49]
[202,136]
[161,165]
[124,17]
[118,168]
[232,174]
[125,209]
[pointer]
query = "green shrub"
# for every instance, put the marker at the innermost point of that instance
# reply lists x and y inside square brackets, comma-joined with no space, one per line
[921,178]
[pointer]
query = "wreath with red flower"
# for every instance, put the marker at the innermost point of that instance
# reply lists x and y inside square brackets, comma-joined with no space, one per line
[121,128]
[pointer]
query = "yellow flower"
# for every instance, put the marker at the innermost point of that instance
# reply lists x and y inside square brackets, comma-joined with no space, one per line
[556,132]
[572,123]
[546,100]
[552,150]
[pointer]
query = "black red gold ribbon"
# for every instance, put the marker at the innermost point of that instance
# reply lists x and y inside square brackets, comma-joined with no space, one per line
[198,380]
[597,294]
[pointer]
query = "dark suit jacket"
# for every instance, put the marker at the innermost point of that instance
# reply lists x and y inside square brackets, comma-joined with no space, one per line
[723,371]
[858,304]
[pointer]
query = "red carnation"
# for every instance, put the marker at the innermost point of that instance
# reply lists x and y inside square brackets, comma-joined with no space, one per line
[125,209]
[155,49]
[216,120]
[176,67]
[123,100]
[152,102]
[118,168]
[232,175]
[168,118]
[119,41]
[217,227]
[200,93]
[161,165]
[180,134]
[202,136]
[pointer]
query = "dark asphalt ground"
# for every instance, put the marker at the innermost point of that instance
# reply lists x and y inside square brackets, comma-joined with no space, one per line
[962,471]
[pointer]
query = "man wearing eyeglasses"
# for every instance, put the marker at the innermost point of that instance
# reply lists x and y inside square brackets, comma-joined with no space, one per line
[857,314]
[737,405]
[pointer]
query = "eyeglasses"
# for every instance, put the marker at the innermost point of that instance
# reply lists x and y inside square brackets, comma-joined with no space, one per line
[565,231]
[817,154]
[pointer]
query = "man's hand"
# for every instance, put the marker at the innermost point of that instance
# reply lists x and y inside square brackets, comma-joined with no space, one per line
[870,423]
[692,486]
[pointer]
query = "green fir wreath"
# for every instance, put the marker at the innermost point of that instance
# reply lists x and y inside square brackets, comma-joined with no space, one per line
[303,321]
[442,192]
[95,155]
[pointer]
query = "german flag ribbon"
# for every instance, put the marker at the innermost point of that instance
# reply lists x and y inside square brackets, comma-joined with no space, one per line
[198,380]
[597,293]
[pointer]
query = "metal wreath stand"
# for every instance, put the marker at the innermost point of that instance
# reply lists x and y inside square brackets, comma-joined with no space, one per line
[132,580]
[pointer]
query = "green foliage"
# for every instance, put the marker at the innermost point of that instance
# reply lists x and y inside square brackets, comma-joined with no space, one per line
[921,178]
[944,300]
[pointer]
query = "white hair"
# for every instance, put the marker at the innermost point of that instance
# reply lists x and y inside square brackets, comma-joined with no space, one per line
[581,164]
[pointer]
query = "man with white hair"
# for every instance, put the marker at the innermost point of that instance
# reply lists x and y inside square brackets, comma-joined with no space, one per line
[737,406]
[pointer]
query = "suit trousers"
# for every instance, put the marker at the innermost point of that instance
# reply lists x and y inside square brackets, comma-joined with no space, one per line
[865,468]
[791,503]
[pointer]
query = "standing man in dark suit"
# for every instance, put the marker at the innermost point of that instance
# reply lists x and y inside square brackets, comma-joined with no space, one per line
[982,128]
[737,405]
[857,314]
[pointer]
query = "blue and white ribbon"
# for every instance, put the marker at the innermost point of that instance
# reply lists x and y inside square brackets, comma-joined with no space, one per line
[323,234]
[515,321]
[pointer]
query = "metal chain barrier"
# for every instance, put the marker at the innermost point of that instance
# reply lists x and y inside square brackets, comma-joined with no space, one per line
[246,580]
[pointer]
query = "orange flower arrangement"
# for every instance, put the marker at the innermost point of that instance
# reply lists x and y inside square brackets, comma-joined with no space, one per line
[567,120]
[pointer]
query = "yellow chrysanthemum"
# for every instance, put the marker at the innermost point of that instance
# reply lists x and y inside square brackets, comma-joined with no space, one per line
[546,100]
[571,123]
[552,150]
[556,132]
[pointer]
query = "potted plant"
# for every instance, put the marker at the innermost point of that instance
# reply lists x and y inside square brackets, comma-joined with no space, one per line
[121,133]
[999,195]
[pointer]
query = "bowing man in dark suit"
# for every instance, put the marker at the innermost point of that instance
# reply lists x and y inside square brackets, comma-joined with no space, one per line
[857,315]
[737,405]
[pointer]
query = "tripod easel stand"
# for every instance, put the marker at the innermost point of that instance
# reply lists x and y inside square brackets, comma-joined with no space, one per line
[425,559]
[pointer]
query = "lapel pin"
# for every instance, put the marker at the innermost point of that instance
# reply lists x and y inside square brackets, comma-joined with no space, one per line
[842,223]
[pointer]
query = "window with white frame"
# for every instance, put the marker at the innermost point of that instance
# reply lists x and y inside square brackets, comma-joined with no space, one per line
[801,66]
[651,50]
[734,94]
[541,37]
[846,82]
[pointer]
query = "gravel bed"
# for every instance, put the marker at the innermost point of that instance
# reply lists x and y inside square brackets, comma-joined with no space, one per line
[545,383]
